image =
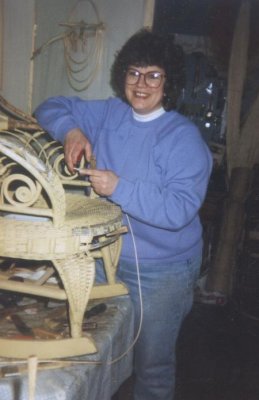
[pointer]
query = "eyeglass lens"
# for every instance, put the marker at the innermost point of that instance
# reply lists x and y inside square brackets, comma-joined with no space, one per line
[151,78]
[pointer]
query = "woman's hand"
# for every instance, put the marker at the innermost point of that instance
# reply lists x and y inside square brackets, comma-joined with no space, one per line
[103,182]
[75,146]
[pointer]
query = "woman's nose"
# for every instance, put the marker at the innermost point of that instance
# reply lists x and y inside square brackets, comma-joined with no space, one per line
[141,81]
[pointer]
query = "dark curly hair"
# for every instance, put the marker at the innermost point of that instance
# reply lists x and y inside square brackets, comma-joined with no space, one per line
[145,49]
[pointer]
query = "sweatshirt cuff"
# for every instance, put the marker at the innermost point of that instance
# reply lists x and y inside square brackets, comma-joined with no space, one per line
[123,192]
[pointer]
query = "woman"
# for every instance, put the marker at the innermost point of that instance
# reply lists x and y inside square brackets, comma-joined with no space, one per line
[154,164]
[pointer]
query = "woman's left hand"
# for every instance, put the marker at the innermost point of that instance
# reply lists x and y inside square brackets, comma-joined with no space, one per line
[103,182]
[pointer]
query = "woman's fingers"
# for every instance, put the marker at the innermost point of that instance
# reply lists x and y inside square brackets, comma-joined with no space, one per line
[103,182]
[75,146]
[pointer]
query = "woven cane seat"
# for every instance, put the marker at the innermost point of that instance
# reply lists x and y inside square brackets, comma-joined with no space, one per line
[45,214]
[38,238]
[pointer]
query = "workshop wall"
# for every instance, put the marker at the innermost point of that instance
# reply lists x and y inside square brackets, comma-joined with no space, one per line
[121,19]
[32,24]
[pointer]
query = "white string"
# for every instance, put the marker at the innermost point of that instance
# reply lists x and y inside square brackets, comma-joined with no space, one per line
[140,298]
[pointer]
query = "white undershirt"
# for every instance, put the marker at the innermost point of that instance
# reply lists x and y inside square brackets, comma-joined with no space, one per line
[148,117]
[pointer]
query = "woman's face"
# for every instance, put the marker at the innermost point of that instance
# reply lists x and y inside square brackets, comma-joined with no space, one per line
[144,88]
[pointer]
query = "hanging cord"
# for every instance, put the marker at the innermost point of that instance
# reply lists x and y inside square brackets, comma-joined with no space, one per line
[75,67]
[77,36]
[81,33]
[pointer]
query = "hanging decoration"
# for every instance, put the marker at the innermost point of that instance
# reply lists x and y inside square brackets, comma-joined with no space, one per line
[83,49]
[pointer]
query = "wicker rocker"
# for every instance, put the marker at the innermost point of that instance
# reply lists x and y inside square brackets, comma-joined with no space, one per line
[46,215]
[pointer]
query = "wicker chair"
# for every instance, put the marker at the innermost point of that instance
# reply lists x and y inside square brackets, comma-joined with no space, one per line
[46,215]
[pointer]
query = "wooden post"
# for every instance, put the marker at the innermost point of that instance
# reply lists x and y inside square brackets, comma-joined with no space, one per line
[220,276]
[236,77]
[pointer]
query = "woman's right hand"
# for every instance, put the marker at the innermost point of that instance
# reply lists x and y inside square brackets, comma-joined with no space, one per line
[75,146]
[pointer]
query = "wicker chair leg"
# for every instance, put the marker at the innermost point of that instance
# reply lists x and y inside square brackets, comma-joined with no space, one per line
[77,273]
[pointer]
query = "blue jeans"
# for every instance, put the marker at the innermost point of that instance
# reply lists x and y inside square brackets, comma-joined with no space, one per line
[167,296]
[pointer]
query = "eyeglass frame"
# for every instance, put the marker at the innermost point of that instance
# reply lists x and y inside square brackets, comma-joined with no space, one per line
[144,76]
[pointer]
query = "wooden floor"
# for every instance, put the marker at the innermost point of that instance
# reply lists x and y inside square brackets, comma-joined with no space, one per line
[218,357]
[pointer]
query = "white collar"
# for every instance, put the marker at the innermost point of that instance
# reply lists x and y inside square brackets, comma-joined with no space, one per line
[148,117]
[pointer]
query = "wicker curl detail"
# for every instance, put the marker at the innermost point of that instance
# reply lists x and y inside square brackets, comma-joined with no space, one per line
[18,189]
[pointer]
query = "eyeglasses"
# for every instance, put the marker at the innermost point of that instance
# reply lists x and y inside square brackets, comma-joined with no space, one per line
[152,79]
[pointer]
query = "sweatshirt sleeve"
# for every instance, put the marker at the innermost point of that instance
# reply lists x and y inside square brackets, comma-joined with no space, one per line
[58,115]
[185,170]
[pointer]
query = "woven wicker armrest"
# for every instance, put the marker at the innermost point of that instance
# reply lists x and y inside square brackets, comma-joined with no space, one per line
[28,185]
[33,175]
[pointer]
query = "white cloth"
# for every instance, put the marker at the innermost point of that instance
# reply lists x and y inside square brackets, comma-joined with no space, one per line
[113,336]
